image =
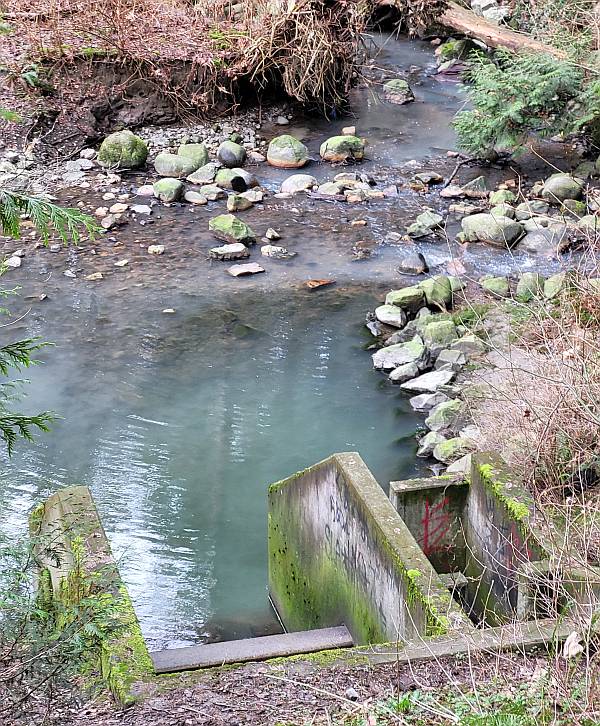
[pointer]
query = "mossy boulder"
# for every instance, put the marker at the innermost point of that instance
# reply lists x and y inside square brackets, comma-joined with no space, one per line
[530,286]
[231,154]
[398,91]
[501,196]
[425,224]
[168,190]
[391,315]
[408,298]
[445,416]
[452,449]
[497,231]
[438,291]
[231,179]
[555,284]
[173,165]
[287,152]
[394,356]
[439,334]
[195,152]
[342,148]
[123,150]
[231,229]
[496,286]
[503,210]
[560,187]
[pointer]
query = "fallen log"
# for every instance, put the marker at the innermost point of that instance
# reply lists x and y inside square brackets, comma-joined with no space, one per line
[472,25]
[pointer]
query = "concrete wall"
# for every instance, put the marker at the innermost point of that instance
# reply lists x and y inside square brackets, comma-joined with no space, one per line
[499,539]
[340,553]
[432,509]
[75,563]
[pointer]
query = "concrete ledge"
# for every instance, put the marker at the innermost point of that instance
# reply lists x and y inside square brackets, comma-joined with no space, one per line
[250,649]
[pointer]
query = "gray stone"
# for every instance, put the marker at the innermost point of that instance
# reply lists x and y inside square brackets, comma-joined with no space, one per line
[391,315]
[429,382]
[230,179]
[446,416]
[469,344]
[342,148]
[123,150]
[527,210]
[408,298]
[548,242]
[404,373]
[555,284]
[298,183]
[231,229]
[427,401]
[330,189]
[503,210]
[398,91]
[530,285]
[195,198]
[231,155]
[452,360]
[236,251]
[212,192]
[394,356]
[413,264]
[197,153]
[559,187]
[173,165]
[498,231]
[460,467]
[438,334]
[428,443]
[251,268]
[502,196]
[236,203]
[204,175]
[278,253]
[438,291]
[168,190]
[287,152]
[141,209]
[425,224]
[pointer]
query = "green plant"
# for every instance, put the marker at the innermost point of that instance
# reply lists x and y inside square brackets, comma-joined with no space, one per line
[513,96]
[12,116]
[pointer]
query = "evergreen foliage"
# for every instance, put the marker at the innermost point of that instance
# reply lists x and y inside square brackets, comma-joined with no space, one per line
[516,95]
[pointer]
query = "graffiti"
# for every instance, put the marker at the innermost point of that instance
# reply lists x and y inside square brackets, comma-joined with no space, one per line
[436,524]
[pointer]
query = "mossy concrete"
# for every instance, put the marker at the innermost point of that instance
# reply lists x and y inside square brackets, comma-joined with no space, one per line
[76,560]
[340,553]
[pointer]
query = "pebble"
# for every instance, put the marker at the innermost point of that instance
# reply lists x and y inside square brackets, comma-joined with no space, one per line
[13,262]
[54,248]
[118,208]
[87,153]
[111,195]
[147,190]
[156,249]
[352,694]
[18,253]
[272,234]
[141,209]
[101,212]
[69,273]
[122,263]
[251,268]
[282,121]
[349,131]
[94,276]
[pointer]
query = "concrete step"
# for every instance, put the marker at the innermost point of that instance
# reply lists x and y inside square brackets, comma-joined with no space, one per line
[250,649]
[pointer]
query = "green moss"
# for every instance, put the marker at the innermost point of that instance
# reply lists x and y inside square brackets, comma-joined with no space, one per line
[517,510]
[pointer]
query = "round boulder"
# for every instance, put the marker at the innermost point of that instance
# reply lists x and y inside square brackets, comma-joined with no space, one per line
[231,154]
[123,150]
[342,148]
[298,183]
[498,231]
[173,165]
[168,190]
[286,152]
[560,187]
[196,152]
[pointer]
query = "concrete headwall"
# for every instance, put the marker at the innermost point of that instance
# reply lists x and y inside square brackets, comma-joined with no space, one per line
[432,509]
[499,538]
[76,564]
[340,553]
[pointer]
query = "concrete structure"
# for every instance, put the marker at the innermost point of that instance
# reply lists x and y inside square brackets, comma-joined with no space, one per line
[340,553]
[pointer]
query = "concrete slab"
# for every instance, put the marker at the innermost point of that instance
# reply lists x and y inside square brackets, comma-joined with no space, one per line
[250,649]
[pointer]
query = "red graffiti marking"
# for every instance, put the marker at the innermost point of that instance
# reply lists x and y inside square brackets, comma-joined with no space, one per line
[436,523]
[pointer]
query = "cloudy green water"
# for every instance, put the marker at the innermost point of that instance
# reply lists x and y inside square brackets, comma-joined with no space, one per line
[179,423]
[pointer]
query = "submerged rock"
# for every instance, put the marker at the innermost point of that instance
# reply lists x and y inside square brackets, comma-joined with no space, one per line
[342,148]
[413,264]
[287,152]
[398,91]
[123,150]
[498,231]
[168,190]
[228,227]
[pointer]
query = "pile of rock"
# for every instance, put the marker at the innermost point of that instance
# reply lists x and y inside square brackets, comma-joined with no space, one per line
[424,355]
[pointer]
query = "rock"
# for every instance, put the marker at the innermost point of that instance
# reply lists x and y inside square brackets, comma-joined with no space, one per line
[574,207]
[173,165]
[236,251]
[112,220]
[248,177]
[156,249]
[204,175]
[498,231]
[230,179]
[425,224]
[231,229]
[502,196]
[413,264]
[429,177]
[391,315]
[536,223]
[408,298]
[452,360]
[282,121]
[252,268]
[439,334]
[438,291]
[342,148]
[118,208]
[475,188]
[427,401]
[527,210]
[398,91]
[123,150]
[428,443]
[122,263]
[554,285]
[168,190]
[298,183]
[146,190]
[395,356]
[94,276]
[404,373]
[212,192]
[14,262]
[254,157]
[352,694]
[559,187]
[456,284]
[469,345]
[461,467]
[349,131]
[445,416]
[452,449]
[330,189]
[286,152]
[235,203]
[231,154]
[496,286]
[87,153]
[253,195]
[429,382]
[195,198]
[503,210]
[589,223]
[144,209]
[278,253]
[549,242]
[272,234]
[196,153]
[355,196]
[530,285]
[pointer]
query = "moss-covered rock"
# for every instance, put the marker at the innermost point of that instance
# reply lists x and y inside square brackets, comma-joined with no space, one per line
[438,291]
[168,190]
[452,449]
[394,356]
[287,152]
[342,148]
[439,334]
[408,298]
[501,196]
[231,229]
[195,152]
[231,179]
[496,286]
[428,443]
[555,284]
[173,165]
[123,150]
[425,224]
[445,416]
[560,187]
[530,286]
[503,210]
[498,231]
[398,91]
